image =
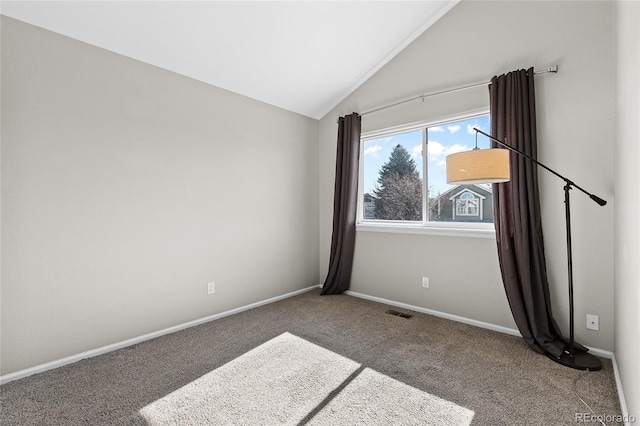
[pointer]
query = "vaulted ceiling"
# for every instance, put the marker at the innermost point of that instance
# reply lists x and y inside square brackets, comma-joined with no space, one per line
[303,56]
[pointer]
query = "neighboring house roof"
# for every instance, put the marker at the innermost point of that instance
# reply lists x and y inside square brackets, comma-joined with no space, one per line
[463,190]
[481,190]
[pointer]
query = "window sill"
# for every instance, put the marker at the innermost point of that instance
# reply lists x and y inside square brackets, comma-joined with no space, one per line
[449,230]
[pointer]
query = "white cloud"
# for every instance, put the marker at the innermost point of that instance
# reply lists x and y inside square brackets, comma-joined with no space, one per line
[454,128]
[436,129]
[372,150]
[416,151]
[435,148]
[438,152]
[456,148]
[470,128]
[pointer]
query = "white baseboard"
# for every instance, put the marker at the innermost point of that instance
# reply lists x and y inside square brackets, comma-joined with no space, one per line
[119,345]
[481,324]
[595,351]
[444,315]
[129,342]
[600,352]
[623,401]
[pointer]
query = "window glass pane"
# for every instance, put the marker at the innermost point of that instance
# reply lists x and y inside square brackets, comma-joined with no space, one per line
[393,183]
[392,171]
[472,207]
[449,138]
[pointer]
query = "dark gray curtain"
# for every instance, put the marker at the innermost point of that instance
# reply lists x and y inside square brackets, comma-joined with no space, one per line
[345,202]
[517,213]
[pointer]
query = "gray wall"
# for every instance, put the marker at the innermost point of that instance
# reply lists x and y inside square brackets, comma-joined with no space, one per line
[126,188]
[627,226]
[470,44]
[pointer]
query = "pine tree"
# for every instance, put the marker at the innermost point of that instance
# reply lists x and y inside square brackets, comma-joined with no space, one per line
[399,188]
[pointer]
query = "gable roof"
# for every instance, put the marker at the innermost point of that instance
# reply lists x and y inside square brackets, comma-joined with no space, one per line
[466,190]
[482,190]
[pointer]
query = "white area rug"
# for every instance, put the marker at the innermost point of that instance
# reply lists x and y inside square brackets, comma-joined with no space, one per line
[285,379]
[375,399]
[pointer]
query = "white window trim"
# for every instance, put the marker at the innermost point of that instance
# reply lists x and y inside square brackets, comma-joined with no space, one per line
[448,229]
[458,197]
[459,193]
[466,208]
[465,229]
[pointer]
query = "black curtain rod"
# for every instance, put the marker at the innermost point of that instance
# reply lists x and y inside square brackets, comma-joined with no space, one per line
[552,69]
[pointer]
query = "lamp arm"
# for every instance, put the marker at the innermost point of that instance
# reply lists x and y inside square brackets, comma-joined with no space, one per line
[569,182]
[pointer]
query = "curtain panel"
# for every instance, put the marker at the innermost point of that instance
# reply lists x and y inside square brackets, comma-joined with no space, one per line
[517,213]
[345,203]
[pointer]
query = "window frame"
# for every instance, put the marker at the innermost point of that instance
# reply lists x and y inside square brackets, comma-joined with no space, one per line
[455,198]
[463,205]
[424,227]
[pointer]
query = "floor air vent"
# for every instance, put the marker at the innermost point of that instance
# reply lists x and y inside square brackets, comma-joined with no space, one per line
[398,314]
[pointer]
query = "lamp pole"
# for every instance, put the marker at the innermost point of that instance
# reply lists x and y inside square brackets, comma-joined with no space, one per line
[573,357]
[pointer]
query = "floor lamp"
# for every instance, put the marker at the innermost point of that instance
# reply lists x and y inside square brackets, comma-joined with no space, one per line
[492,166]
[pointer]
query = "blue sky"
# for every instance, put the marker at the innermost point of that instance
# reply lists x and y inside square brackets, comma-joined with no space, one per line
[443,140]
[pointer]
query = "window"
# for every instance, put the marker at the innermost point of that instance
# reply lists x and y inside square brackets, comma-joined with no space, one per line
[467,205]
[403,176]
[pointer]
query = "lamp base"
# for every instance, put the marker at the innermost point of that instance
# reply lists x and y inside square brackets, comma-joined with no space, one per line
[579,360]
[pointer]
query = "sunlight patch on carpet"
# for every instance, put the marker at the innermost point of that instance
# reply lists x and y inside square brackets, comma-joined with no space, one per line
[278,382]
[373,398]
[286,379]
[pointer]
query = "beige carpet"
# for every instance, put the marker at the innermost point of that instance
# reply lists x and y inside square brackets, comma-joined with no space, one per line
[286,379]
[279,382]
[374,399]
[424,362]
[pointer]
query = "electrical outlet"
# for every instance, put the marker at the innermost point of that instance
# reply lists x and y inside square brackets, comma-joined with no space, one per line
[211,288]
[593,322]
[425,282]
